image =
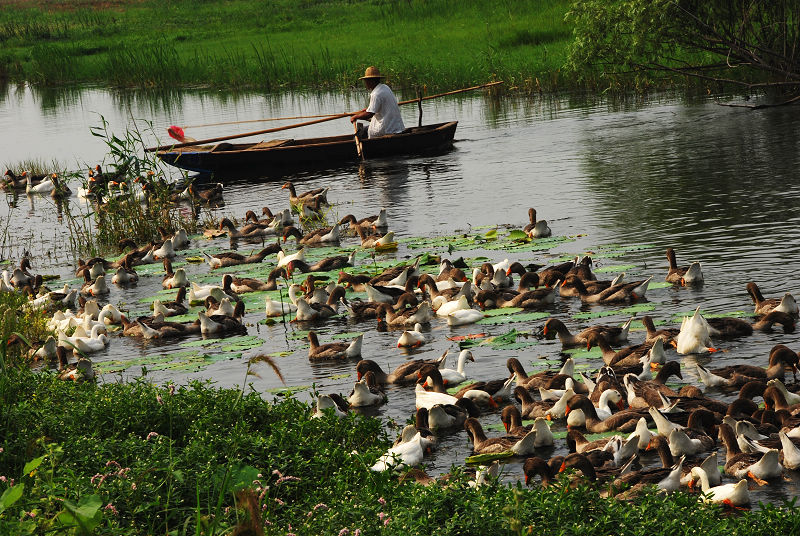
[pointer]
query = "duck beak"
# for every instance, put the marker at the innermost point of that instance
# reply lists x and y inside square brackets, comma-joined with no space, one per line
[563,467]
[544,331]
[566,411]
[621,404]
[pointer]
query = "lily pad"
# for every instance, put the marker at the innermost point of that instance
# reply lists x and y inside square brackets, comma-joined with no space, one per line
[633,309]
[502,311]
[615,268]
[483,459]
[509,319]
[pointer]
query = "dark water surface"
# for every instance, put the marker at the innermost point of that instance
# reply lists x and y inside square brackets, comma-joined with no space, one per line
[718,184]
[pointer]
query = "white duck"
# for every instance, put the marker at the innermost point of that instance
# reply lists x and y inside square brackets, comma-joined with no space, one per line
[275,308]
[456,376]
[428,399]
[462,317]
[284,259]
[694,337]
[178,279]
[411,338]
[363,396]
[451,306]
[730,494]
[180,240]
[166,251]
[406,454]
[325,402]
[711,467]
[791,454]
[123,276]
[45,187]
[548,395]
[98,288]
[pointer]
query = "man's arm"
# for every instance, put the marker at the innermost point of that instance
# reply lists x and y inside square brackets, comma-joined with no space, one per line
[363,114]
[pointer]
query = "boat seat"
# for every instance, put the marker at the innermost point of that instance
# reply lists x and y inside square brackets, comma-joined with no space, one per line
[268,144]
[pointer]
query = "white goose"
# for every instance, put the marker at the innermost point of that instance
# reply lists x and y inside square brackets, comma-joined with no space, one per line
[456,376]
[45,187]
[325,402]
[166,251]
[98,288]
[411,338]
[406,454]
[275,308]
[284,259]
[791,454]
[180,240]
[694,337]
[363,396]
[451,306]
[428,399]
[178,279]
[462,317]
[731,494]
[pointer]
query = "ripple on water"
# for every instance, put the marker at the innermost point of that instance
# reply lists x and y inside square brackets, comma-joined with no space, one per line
[714,183]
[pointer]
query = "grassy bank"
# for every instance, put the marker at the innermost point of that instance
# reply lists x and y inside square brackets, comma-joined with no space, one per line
[284,43]
[138,459]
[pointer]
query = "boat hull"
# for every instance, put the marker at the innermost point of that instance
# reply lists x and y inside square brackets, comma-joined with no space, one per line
[277,156]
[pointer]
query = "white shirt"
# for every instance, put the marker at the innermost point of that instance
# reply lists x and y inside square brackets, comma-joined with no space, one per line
[386,120]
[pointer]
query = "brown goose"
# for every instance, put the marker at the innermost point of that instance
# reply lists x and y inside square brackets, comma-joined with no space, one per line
[624,421]
[405,373]
[484,445]
[537,466]
[683,275]
[325,235]
[787,304]
[526,300]
[612,334]
[628,356]
[324,265]
[729,328]
[780,357]
[547,379]
[231,258]
[334,350]
[305,197]
[531,408]
[667,334]
[622,293]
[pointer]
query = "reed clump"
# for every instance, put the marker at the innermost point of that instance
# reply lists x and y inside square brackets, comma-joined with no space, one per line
[132,200]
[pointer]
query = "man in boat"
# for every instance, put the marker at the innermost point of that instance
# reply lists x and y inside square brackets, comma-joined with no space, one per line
[383,112]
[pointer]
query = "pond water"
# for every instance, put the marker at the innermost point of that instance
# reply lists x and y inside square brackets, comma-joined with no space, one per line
[716,183]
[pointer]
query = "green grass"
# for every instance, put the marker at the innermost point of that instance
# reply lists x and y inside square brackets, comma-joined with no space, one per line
[128,459]
[285,43]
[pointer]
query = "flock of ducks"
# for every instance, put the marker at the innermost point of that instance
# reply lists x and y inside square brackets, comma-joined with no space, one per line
[628,394]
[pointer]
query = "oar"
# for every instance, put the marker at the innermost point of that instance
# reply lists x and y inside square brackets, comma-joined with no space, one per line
[359,147]
[306,123]
[246,134]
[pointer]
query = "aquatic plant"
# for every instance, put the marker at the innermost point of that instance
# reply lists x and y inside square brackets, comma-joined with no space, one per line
[116,212]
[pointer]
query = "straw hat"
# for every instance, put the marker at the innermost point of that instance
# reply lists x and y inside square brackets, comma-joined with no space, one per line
[371,72]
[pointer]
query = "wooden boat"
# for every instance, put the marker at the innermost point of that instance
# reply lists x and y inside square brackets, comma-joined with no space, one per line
[269,157]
